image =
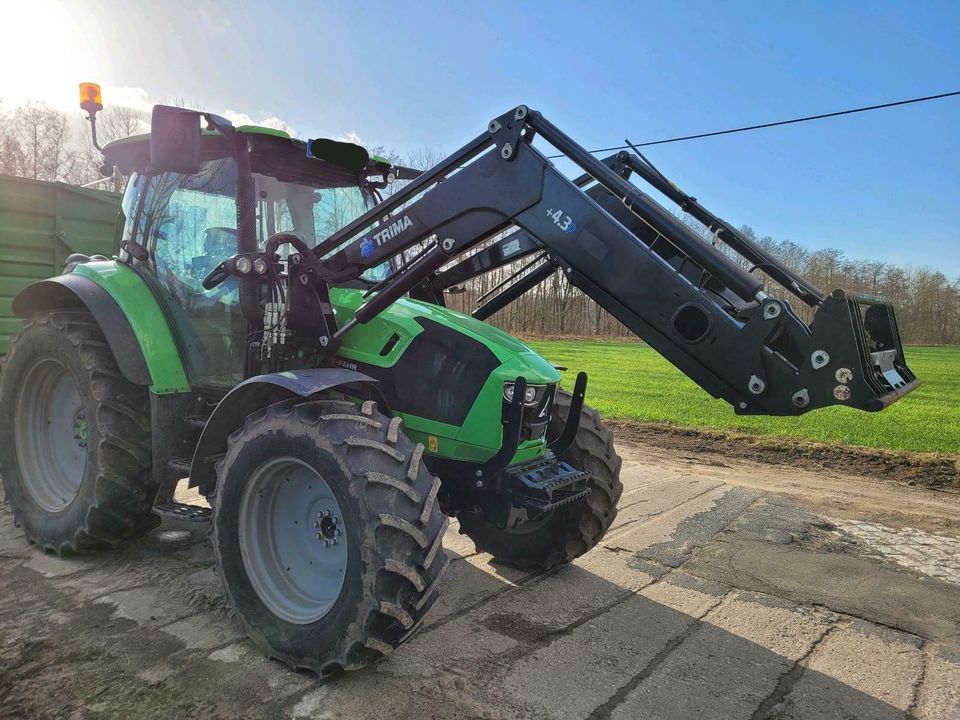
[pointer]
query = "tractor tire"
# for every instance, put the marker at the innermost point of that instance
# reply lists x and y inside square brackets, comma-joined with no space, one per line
[76,464]
[568,532]
[327,533]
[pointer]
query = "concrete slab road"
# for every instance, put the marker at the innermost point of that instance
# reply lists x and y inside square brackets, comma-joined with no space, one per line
[725,590]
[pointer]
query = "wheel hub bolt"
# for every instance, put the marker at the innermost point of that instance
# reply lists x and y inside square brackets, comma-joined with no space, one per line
[328,526]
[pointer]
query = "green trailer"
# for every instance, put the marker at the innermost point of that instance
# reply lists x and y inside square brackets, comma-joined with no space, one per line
[41,224]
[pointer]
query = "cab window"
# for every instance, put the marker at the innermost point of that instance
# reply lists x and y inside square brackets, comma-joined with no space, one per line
[189,224]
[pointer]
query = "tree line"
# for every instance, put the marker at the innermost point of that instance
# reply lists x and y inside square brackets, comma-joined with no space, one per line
[40,142]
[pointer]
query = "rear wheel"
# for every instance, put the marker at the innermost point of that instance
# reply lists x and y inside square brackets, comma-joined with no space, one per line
[77,473]
[327,532]
[567,532]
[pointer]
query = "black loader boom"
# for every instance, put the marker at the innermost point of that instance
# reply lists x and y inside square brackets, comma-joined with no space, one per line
[685,297]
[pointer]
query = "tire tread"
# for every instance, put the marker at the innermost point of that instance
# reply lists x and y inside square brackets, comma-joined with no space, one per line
[579,531]
[124,490]
[404,526]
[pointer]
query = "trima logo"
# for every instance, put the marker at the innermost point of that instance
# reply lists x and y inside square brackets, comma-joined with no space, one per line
[392,230]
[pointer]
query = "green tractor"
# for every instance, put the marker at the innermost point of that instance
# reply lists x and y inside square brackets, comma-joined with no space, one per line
[274,330]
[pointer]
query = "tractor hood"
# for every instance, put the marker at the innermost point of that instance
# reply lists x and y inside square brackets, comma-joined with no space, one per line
[444,372]
[408,318]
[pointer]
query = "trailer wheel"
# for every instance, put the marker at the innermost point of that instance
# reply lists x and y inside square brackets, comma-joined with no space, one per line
[327,533]
[569,532]
[77,461]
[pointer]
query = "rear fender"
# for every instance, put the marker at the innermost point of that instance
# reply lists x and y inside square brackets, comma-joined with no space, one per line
[76,291]
[127,312]
[259,392]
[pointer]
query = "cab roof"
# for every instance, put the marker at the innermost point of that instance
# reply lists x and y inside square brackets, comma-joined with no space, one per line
[273,152]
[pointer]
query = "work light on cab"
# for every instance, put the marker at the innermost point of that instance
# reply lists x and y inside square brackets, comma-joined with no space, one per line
[244,265]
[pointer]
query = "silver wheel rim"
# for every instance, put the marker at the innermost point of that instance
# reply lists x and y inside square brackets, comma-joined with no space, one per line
[51,435]
[293,540]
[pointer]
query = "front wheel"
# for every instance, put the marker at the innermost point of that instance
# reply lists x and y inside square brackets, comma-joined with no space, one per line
[567,532]
[327,533]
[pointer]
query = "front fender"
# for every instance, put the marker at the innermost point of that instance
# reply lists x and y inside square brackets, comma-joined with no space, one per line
[259,392]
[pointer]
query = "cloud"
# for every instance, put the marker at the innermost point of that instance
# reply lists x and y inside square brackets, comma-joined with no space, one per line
[131,97]
[350,137]
[239,118]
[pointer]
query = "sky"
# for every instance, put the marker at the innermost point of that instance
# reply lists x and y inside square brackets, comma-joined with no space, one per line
[409,76]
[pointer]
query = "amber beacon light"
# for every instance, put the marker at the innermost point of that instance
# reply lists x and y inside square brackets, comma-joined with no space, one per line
[92,102]
[90,98]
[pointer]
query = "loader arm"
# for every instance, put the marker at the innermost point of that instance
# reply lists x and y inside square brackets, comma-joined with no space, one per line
[683,296]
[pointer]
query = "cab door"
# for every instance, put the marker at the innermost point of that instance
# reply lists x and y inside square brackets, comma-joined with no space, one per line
[189,225]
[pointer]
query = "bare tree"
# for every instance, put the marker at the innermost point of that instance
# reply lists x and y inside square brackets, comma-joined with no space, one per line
[36,144]
[113,123]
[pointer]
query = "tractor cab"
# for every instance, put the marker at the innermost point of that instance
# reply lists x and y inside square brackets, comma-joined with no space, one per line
[176,227]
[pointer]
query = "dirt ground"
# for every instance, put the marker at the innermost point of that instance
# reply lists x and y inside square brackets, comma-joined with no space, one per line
[933,470]
[726,589]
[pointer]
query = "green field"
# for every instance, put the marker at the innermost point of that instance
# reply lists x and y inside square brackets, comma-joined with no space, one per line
[630,381]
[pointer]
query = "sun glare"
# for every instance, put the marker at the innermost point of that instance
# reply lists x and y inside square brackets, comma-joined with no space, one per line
[46,56]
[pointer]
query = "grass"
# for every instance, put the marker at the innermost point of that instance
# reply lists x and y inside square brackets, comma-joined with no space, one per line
[630,381]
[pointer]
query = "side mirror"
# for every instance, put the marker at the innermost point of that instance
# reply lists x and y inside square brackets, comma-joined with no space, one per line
[175,139]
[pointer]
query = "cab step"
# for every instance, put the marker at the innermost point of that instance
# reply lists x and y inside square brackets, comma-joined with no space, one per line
[183,511]
[197,421]
[181,466]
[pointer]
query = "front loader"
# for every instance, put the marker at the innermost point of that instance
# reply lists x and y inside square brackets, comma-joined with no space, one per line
[276,332]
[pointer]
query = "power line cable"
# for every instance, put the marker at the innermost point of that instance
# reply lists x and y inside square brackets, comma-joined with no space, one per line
[774,124]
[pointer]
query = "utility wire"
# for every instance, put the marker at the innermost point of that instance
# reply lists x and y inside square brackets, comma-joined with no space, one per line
[773,124]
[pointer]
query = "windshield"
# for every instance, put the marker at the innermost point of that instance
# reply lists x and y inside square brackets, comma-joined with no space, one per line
[190,221]
[312,213]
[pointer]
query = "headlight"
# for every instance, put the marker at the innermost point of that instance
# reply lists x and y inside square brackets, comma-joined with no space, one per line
[529,395]
[244,265]
[260,266]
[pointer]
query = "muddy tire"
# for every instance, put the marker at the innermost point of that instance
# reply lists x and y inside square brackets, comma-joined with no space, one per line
[327,533]
[76,464]
[568,532]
